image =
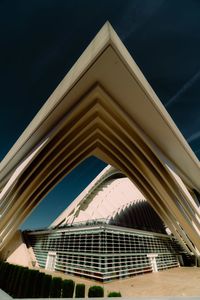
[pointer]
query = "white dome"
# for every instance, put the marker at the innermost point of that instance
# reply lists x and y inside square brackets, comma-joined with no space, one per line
[112,198]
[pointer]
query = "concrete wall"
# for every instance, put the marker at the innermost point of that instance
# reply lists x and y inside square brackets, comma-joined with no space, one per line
[16,252]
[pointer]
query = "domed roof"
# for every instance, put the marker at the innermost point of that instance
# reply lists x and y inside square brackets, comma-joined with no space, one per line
[113,199]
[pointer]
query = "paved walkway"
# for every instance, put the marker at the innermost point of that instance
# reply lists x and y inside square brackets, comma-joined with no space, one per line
[172,282]
[184,281]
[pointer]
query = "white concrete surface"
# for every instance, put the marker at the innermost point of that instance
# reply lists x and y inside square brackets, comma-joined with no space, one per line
[104,107]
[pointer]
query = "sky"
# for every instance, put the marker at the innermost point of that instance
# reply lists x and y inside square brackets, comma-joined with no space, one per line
[41,40]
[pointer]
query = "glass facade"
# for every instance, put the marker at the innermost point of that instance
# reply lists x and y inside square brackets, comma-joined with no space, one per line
[104,252]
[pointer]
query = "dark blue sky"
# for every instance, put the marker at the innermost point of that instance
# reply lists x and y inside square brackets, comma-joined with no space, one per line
[41,40]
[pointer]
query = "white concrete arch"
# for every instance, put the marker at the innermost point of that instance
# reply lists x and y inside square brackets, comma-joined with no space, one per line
[104,107]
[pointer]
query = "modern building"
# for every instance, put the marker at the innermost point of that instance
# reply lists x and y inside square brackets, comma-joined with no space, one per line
[108,232]
[104,107]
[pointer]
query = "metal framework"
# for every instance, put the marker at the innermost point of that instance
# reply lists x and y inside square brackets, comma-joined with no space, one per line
[103,252]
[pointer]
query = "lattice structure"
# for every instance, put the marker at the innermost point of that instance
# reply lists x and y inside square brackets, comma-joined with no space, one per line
[104,252]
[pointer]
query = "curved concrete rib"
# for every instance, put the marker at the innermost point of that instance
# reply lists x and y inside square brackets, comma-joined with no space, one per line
[104,107]
[128,209]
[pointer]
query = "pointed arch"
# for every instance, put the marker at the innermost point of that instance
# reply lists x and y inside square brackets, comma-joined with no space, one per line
[104,107]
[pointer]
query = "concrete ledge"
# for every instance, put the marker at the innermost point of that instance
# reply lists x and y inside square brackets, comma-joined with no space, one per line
[4,295]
